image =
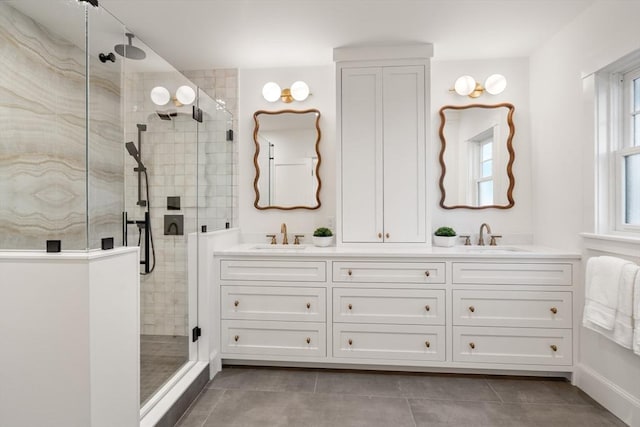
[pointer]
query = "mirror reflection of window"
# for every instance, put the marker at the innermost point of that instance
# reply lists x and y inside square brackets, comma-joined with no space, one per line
[482,166]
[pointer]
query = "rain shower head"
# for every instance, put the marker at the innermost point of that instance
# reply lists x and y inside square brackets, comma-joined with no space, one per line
[128,50]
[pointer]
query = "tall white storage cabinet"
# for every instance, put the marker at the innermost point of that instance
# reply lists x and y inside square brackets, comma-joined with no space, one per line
[382,103]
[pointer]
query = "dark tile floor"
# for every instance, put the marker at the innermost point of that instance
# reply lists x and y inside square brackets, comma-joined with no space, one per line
[244,396]
[160,357]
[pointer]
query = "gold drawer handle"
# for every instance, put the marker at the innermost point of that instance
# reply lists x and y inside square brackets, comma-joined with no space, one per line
[350,341]
[554,310]
[426,273]
[387,235]
[350,306]
[349,272]
[427,344]
[308,305]
[472,309]
[308,340]
[236,303]
[554,347]
[236,338]
[379,235]
[426,307]
[472,345]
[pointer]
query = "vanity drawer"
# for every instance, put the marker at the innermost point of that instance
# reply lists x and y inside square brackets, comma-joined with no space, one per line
[389,272]
[273,303]
[512,308]
[522,346]
[393,342]
[399,306]
[511,274]
[273,338]
[279,271]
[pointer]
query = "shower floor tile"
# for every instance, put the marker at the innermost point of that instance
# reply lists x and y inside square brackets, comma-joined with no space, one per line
[160,357]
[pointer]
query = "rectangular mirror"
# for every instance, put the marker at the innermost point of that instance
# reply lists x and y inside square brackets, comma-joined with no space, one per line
[477,156]
[287,159]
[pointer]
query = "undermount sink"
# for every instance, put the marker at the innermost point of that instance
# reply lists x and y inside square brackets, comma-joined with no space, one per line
[279,247]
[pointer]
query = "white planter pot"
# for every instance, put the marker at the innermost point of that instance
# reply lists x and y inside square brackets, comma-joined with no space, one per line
[322,241]
[444,241]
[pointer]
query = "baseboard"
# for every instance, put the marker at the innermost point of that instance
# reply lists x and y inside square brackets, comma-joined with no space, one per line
[613,398]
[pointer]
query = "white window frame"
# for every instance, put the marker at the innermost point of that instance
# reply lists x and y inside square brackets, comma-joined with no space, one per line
[614,104]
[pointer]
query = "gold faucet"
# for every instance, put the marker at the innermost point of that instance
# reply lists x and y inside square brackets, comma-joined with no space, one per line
[481,238]
[283,230]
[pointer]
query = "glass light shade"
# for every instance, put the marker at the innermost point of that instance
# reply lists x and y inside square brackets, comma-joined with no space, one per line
[160,95]
[495,84]
[465,85]
[271,92]
[186,95]
[299,91]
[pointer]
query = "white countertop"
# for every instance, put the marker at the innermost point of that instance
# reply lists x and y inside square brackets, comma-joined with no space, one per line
[384,251]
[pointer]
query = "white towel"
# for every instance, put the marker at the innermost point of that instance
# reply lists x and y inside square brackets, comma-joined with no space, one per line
[636,315]
[603,276]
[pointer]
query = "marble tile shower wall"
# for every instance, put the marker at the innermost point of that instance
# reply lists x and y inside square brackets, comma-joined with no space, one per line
[181,158]
[43,144]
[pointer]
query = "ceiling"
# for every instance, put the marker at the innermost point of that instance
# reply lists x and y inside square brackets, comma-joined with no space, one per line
[205,34]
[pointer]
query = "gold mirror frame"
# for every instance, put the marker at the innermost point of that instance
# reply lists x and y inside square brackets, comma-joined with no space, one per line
[257,152]
[512,180]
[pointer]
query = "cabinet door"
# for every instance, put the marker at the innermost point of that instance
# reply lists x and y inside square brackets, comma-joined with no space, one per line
[361,151]
[404,153]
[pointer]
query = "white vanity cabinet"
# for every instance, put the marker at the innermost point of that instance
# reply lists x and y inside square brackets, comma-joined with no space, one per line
[342,307]
[382,106]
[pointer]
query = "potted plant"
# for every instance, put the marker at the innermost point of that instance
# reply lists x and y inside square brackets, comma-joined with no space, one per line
[322,236]
[444,236]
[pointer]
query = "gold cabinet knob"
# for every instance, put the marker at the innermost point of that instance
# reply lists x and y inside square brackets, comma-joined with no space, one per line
[349,272]
[472,345]
[379,235]
[554,347]
[308,305]
[554,310]
[426,307]
[427,344]
[350,341]
[387,235]
[427,274]
[472,309]
[236,338]
[350,306]
[308,340]
[236,303]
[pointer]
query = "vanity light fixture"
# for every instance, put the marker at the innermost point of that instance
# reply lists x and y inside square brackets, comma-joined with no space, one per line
[299,91]
[185,95]
[467,86]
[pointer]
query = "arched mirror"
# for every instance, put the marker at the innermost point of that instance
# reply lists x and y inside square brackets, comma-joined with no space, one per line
[477,156]
[287,159]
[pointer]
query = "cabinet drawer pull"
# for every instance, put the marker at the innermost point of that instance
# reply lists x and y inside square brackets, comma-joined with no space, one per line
[349,272]
[387,235]
[472,345]
[236,303]
[554,347]
[554,310]
[379,235]
[350,341]
[427,344]
[236,338]
[308,340]
[349,306]
[308,305]
[472,309]
[426,307]
[427,274]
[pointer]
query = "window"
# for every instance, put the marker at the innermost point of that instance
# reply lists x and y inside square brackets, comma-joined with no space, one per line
[627,155]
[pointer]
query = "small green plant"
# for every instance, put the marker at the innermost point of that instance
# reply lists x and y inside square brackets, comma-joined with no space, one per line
[322,232]
[445,231]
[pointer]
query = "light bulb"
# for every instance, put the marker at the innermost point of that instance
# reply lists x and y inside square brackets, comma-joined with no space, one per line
[185,95]
[495,84]
[465,85]
[160,95]
[271,92]
[299,91]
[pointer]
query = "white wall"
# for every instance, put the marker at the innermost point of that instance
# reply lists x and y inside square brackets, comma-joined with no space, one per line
[321,81]
[514,223]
